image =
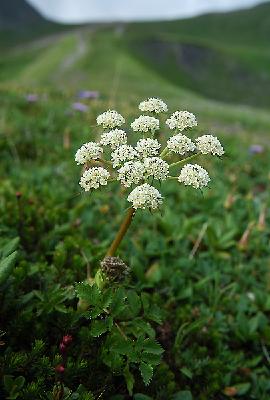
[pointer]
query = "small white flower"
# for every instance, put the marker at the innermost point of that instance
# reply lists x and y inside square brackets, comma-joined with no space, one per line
[148,147]
[93,178]
[131,172]
[114,138]
[194,175]
[209,144]
[145,196]
[181,120]
[180,144]
[156,167]
[123,153]
[88,151]
[144,123]
[153,105]
[110,119]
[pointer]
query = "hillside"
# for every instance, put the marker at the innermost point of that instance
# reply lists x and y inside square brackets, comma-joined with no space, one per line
[221,56]
[14,13]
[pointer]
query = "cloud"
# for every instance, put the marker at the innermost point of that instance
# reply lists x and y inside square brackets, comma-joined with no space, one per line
[76,11]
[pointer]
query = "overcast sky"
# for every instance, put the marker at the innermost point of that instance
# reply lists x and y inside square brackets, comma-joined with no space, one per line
[71,11]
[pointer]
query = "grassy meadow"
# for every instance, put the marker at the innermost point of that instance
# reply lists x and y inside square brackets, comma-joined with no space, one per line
[200,269]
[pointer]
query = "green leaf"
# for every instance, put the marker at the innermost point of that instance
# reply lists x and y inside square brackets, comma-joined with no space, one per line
[140,396]
[129,379]
[88,293]
[134,302]
[118,302]
[186,372]
[242,388]
[99,327]
[6,267]
[146,372]
[10,247]
[183,395]
[151,346]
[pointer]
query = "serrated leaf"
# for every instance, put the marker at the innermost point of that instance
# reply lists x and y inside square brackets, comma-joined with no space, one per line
[99,327]
[134,302]
[118,302]
[89,293]
[6,267]
[153,359]
[151,346]
[146,372]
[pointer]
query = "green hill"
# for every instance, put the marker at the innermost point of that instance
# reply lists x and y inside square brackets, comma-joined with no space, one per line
[221,56]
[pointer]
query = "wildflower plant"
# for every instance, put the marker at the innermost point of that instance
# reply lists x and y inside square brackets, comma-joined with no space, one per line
[140,168]
[141,162]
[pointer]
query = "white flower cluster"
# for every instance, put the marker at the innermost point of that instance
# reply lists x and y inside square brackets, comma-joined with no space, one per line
[145,196]
[114,138]
[153,105]
[209,144]
[144,123]
[180,144]
[157,168]
[123,153]
[88,151]
[148,147]
[144,163]
[110,119]
[94,177]
[181,120]
[131,172]
[194,175]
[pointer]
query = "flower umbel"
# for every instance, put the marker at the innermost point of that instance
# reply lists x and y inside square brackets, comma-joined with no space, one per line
[94,177]
[145,196]
[194,175]
[110,119]
[209,144]
[181,120]
[153,105]
[143,164]
[144,123]
[123,153]
[88,151]
[156,167]
[180,144]
[114,138]
[131,173]
[148,147]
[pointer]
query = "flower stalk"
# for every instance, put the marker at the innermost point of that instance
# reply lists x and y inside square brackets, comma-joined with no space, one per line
[121,232]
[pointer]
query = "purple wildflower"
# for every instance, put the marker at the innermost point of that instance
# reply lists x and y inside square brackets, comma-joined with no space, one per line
[79,107]
[256,149]
[31,98]
[88,94]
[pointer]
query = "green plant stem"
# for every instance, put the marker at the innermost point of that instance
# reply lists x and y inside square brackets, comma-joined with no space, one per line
[121,232]
[185,160]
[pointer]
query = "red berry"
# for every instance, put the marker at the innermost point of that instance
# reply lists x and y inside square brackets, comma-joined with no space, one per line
[60,369]
[67,339]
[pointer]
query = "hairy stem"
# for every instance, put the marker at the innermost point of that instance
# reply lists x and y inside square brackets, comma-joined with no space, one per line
[121,232]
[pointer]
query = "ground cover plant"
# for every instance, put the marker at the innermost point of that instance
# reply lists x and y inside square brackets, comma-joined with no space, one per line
[183,312]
